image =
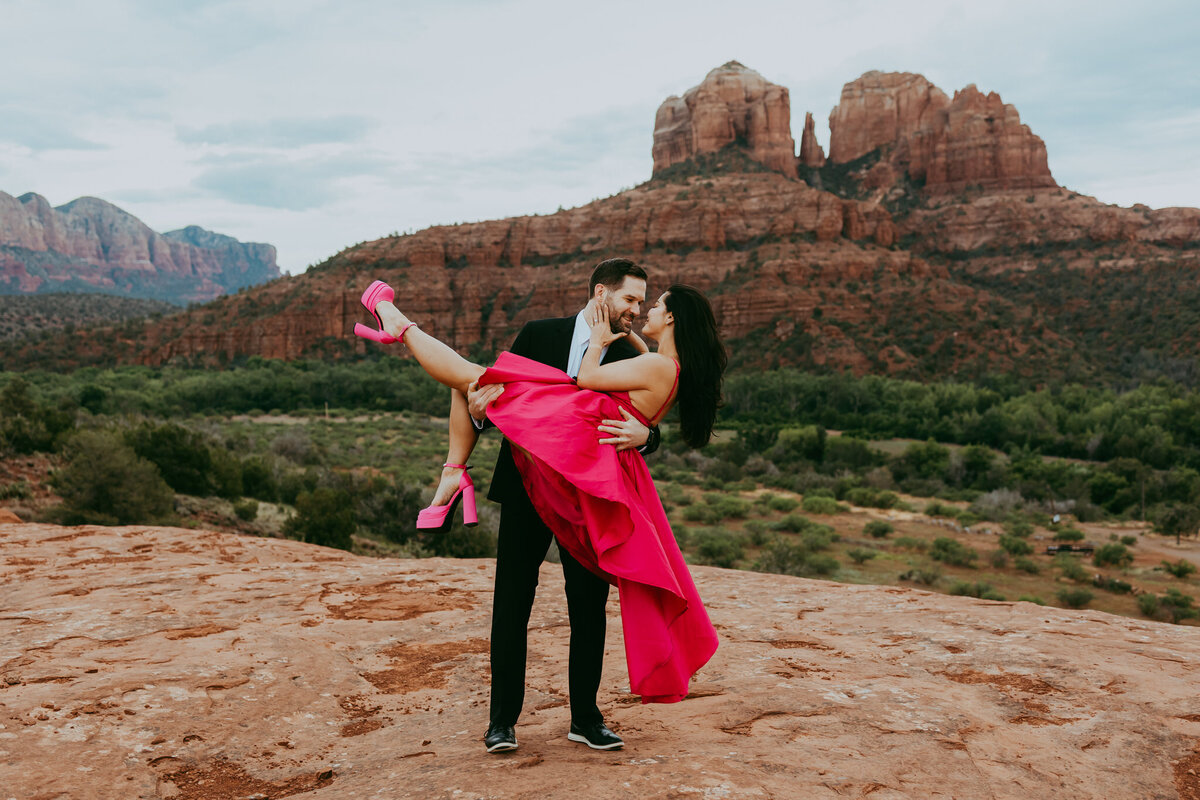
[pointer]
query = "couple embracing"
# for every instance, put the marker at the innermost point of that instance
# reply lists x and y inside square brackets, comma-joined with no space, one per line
[578,400]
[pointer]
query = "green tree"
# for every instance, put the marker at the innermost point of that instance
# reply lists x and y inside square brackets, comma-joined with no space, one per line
[106,483]
[1179,520]
[182,456]
[324,516]
[1112,554]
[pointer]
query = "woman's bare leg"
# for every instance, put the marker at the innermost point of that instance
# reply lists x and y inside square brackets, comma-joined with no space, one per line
[463,436]
[437,358]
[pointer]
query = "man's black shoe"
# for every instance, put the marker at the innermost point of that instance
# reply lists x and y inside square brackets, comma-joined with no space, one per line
[597,736]
[500,739]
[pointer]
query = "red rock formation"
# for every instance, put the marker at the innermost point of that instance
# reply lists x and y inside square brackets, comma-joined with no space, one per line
[478,283]
[92,243]
[1008,220]
[949,145]
[811,154]
[882,109]
[732,104]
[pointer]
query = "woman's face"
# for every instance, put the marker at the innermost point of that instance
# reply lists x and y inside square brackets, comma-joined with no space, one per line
[657,319]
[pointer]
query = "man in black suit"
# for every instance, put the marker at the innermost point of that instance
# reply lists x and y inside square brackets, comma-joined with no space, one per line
[524,538]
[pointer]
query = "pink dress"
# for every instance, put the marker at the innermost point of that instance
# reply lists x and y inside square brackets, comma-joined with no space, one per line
[603,508]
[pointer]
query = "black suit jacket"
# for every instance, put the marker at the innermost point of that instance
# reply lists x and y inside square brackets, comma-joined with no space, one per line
[547,341]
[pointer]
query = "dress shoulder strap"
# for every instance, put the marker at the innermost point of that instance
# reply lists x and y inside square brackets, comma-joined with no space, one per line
[654,420]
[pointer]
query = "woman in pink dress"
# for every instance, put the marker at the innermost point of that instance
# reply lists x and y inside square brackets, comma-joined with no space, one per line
[601,504]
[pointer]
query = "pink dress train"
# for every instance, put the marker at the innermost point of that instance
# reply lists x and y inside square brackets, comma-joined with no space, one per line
[604,509]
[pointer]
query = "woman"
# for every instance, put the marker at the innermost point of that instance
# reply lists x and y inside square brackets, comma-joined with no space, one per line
[601,504]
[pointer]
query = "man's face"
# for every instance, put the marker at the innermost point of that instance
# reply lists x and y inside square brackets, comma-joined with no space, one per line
[625,303]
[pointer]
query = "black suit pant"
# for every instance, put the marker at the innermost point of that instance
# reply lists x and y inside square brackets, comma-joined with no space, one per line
[523,542]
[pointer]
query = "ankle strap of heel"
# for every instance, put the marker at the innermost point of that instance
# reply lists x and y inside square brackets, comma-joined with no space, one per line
[457,466]
[404,330]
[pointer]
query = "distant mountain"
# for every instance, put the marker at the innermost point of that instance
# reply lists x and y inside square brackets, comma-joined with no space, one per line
[932,242]
[90,245]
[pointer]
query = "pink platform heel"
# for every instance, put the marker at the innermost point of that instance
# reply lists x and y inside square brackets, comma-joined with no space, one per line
[441,517]
[375,294]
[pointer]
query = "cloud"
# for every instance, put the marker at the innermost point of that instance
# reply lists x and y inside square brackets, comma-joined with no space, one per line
[557,157]
[41,132]
[280,132]
[280,183]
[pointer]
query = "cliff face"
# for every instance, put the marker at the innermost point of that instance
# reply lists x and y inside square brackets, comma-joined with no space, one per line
[877,274]
[160,662]
[92,245]
[733,104]
[974,140]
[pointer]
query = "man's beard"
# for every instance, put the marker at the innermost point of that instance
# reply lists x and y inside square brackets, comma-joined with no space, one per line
[617,323]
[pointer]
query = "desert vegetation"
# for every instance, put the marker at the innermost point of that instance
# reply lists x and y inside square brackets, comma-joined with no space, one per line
[958,488]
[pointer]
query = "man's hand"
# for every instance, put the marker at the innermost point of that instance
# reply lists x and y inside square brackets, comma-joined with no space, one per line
[626,433]
[479,399]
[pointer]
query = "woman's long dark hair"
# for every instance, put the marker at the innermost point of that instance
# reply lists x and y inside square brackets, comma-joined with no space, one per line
[702,361]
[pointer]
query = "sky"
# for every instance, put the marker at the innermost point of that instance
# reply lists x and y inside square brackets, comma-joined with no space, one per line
[315,125]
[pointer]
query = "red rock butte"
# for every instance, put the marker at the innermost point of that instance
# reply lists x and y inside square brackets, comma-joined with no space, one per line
[733,104]
[946,145]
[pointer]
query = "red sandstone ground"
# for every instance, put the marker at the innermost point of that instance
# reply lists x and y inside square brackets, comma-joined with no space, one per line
[154,663]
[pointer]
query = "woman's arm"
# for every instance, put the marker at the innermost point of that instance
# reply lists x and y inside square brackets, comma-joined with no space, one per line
[640,372]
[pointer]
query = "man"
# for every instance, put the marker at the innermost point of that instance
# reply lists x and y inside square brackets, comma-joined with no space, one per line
[524,538]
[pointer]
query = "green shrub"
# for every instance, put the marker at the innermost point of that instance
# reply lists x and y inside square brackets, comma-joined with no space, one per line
[1112,554]
[936,509]
[1178,605]
[998,559]
[951,551]
[785,557]
[1029,598]
[258,480]
[324,516]
[871,498]
[1014,545]
[1148,604]
[878,528]
[798,523]
[912,543]
[822,564]
[106,483]
[758,532]
[1068,535]
[1071,568]
[703,514]
[1129,541]
[860,555]
[783,503]
[1113,585]
[1074,598]
[1180,569]
[983,591]
[821,505]
[181,455]
[1018,528]
[1026,565]
[246,510]
[923,576]
[727,506]
[17,490]
[717,547]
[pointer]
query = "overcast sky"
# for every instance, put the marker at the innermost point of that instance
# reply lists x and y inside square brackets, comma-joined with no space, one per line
[314,125]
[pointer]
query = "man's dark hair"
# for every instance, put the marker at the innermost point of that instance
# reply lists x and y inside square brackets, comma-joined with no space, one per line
[612,273]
